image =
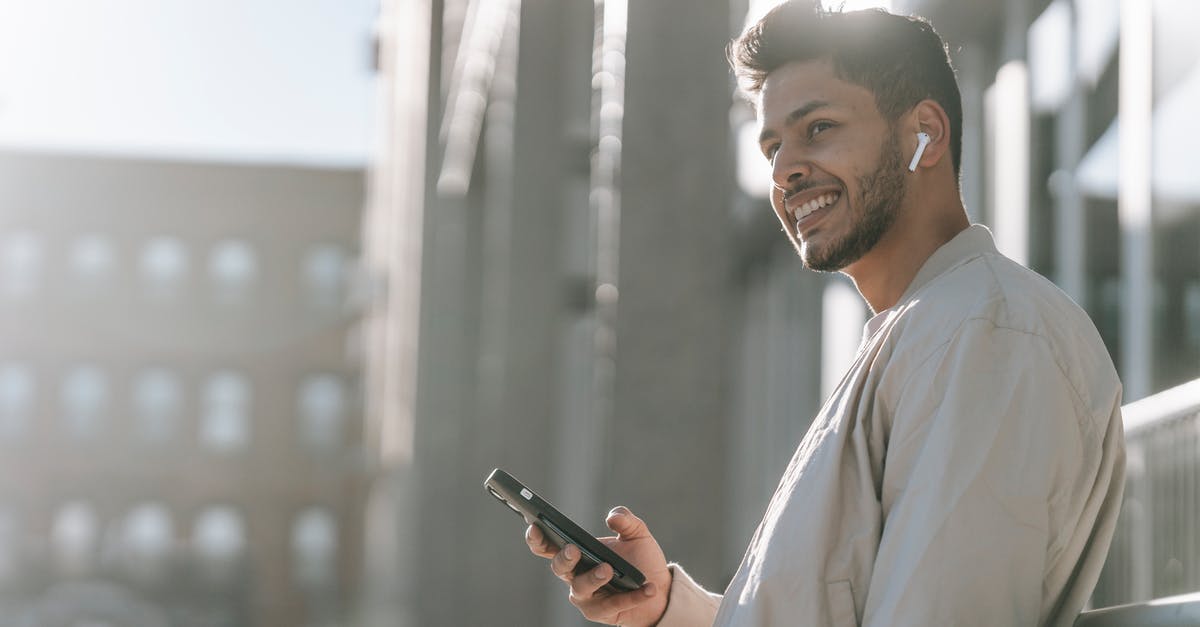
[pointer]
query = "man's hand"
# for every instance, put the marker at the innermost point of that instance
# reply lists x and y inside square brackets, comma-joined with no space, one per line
[638,608]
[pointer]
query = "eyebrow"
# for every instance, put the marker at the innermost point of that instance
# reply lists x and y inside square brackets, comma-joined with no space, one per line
[796,115]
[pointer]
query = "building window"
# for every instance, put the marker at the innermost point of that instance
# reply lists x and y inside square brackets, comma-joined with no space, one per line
[164,265]
[219,542]
[73,538]
[158,405]
[20,264]
[233,270]
[325,270]
[314,548]
[10,548]
[93,259]
[17,396]
[322,411]
[1191,314]
[84,399]
[225,425]
[146,541]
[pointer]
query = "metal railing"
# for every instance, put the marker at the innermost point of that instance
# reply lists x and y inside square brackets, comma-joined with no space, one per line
[1180,611]
[1156,549]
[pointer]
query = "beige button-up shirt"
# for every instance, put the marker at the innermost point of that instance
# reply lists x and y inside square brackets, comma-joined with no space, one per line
[968,470]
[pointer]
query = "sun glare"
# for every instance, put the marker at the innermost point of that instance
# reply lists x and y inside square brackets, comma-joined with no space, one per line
[759,8]
[855,5]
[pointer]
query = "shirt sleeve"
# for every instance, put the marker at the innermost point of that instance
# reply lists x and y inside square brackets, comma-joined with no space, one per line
[986,437]
[689,605]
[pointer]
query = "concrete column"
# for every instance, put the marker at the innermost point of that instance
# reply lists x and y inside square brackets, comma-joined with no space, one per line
[447,382]
[1010,138]
[515,416]
[667,451]
[1070,144]
[1134,197]
[393,237]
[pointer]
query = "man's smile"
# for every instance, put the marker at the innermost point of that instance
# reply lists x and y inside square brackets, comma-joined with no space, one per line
[806,207]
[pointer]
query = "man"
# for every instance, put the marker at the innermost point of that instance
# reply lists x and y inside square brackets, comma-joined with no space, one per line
[969,468]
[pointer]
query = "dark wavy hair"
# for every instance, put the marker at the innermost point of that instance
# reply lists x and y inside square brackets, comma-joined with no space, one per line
[900,59]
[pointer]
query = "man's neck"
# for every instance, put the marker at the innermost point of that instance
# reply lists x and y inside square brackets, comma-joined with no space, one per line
[884,273]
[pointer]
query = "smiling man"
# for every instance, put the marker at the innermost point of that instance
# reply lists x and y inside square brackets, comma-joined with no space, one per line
[968,470]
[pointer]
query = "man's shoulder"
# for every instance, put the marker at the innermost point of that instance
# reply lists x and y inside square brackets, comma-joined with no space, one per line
[994,293]
[993,288]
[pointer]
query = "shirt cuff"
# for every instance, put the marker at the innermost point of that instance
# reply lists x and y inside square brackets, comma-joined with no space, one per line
[689,605]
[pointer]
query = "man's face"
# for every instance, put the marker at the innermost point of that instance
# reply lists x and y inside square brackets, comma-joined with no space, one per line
[837,167]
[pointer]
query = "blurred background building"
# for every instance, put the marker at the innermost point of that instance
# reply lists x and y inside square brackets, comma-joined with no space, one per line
[281,283]
[180,218]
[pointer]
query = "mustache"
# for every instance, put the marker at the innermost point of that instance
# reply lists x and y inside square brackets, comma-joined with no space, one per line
[790,192]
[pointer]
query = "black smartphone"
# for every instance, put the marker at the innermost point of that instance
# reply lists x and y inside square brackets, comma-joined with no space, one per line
[562,531]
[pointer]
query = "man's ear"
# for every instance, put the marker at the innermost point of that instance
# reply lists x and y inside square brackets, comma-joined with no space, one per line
[930,118]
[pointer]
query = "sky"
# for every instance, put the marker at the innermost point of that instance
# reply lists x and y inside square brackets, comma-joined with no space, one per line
[256,81]
[225,80]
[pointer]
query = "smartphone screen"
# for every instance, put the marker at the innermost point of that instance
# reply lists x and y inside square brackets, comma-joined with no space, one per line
[560,530]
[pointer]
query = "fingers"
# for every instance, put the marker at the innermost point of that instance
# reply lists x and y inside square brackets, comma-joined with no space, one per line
[563,564]
[538,544]
[626,525]
[605,607]
[584,586]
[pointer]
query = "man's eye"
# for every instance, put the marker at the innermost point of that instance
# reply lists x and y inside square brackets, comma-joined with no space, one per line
[819,126]
[769,153]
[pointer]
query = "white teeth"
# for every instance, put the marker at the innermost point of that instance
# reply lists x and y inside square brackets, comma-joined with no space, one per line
[820,201]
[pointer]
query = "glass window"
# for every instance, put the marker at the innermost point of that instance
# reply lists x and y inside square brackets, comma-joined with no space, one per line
[325,269]
[322,411]
[93,258]
[314,547]
[10,547]
[164,263]
[20,263]
[147,540]
[1050,58]
[233,269]
[73,538]
[1176,192]
[1191,314]
[1098,26]
[219,541]
[220,533]
[158,404]
[85,399]
[225,424]
[17,397]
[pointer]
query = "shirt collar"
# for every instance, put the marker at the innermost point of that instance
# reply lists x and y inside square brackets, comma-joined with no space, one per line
[973,241]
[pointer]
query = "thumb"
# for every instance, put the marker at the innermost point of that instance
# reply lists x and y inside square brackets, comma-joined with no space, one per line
[626,525]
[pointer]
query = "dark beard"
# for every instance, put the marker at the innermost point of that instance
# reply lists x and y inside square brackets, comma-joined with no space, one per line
[878,195]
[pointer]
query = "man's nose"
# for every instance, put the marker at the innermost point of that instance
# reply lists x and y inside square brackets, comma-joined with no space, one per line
[788,168]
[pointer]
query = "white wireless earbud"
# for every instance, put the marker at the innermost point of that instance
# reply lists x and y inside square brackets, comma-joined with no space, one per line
[922,142]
